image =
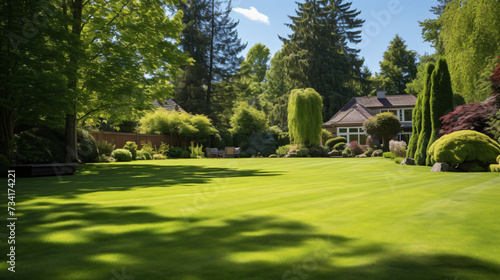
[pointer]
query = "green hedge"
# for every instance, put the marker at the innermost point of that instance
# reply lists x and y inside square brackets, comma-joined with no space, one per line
[389,155]
[334,141]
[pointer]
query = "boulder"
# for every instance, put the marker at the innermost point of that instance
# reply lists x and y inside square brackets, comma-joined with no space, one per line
[408,161]
[334,153]
[361,156]
[443,167]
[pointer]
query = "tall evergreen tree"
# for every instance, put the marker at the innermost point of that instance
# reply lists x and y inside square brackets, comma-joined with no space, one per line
[399,65]
[425,107]
[317,51]
[212,40]
[441,102]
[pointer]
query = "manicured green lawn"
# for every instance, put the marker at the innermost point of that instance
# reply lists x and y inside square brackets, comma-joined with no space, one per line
[257,219]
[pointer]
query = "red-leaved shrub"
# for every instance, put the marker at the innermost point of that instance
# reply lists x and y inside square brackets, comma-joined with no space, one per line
[356,148]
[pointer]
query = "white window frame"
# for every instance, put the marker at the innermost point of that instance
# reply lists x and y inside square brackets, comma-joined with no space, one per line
[400,113]
[348,134]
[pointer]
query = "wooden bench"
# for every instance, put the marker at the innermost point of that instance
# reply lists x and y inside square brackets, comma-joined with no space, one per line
[50,169]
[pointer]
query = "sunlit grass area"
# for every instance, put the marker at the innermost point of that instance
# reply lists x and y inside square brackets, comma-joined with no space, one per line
[312,218]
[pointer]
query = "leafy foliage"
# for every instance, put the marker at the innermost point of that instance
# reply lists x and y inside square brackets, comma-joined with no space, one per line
[162,121]
[105,148]
[38,145]
[196,151]
[339,146]
[356,148]
[283,150]
[87,146]
[384,126]
[304,116]
[464,146]
[248,120]
[132,147]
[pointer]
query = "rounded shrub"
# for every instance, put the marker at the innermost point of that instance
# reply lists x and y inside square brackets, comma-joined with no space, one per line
[122,155]
[317,151]
[348,151]
[466,146]
[339,146]
[302,152]
[105,148]
[283,150]
[159,156]
[334,141]
[398,160]
[389,155]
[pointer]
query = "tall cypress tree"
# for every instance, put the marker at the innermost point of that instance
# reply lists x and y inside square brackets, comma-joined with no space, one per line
[317,51]
[426,129]
[416,126]
[441,102]
[211,38]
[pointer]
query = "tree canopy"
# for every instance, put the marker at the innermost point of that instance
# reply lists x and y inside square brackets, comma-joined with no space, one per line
[304,117]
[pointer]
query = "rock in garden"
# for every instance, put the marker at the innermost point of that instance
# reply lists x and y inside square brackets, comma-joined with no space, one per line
[334,153]
[443,167]
[361,156]
[408,161]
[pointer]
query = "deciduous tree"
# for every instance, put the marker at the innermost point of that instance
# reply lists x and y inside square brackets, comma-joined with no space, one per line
[304,117]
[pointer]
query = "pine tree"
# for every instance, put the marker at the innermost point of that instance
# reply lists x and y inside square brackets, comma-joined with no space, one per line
[399,65]
[212,40]
[317,51]
[426,129]
[441,102]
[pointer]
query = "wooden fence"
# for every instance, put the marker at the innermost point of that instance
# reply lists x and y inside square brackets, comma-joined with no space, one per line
[119,139]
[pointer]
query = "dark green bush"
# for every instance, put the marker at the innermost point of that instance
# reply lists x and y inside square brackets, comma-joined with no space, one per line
[348,151]
[317,151]
[122,155]
[132,147]
[283,150]
[105,148]
[240,140]
[369,152]
[185,154]
[302,152]
[261,144]
[87,147]
[389,155]
[177,152]
[334,141]
[339,146]
[244,155]
[465,146]
[4,166]
[344,154]
[38,145]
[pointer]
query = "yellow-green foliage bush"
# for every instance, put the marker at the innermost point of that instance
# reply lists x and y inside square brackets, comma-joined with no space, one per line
[464,146]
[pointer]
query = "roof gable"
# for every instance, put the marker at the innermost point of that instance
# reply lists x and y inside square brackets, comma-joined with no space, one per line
[356,114]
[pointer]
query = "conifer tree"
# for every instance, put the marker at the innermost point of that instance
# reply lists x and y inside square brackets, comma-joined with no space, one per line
[416,126]
[317,51]
[441,102]
[426,129]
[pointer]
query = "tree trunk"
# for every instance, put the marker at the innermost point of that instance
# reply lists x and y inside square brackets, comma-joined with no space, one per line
[70,131]
[211,60]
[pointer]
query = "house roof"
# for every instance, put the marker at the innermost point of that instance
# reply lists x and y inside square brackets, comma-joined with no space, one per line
[169,104]
[370,102]
[358,109]
[356,114]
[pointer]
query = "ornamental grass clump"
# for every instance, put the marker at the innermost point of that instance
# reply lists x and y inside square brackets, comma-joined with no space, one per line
[463,147]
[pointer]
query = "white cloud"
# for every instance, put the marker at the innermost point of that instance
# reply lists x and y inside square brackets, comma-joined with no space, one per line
[253,14]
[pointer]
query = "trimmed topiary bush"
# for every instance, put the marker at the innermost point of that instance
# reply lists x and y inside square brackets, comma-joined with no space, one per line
[463,147]
[348,151]
[122,155]
[398,160]
[132,147]
[334,141]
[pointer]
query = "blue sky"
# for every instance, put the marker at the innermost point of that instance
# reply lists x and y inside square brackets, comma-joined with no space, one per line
[384,19]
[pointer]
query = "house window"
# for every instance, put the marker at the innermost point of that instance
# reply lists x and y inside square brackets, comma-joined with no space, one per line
[404,115]
[352,134]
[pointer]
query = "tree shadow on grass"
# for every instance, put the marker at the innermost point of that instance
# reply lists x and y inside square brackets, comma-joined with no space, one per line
[80,241]
[101,177]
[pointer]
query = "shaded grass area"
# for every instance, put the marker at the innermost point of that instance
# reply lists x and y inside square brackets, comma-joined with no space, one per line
[258,219]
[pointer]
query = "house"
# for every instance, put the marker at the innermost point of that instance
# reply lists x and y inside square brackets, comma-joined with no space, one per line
[348,122]
[169,104]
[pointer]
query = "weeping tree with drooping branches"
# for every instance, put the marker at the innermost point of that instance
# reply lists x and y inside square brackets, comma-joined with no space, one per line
[305,108]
